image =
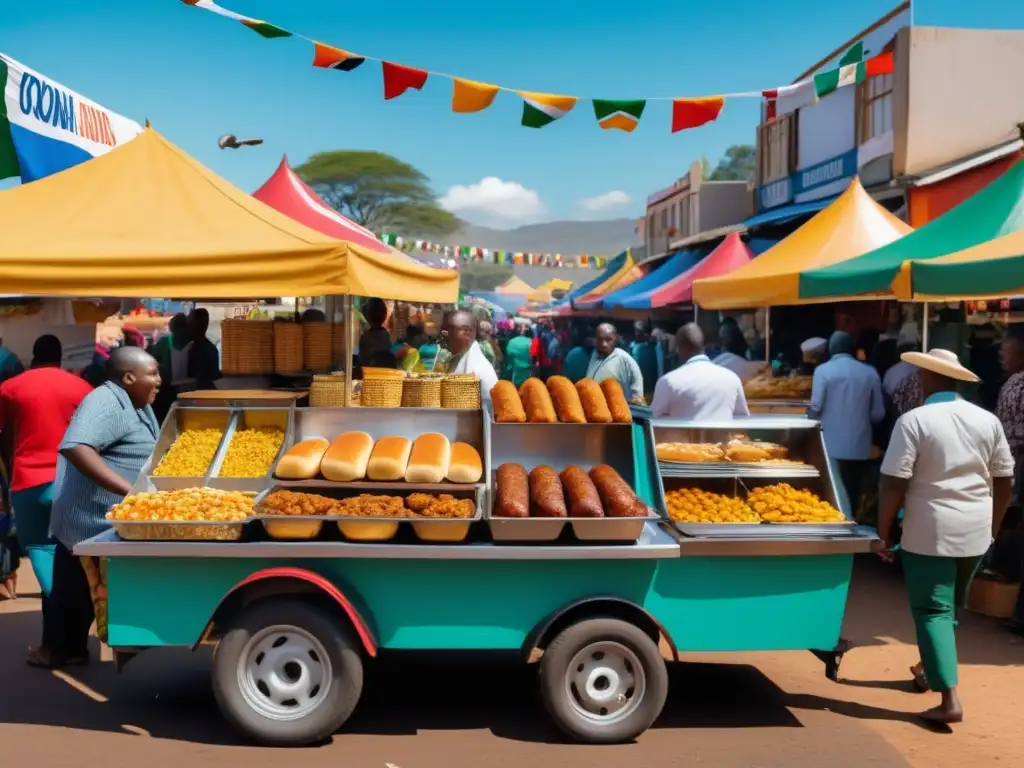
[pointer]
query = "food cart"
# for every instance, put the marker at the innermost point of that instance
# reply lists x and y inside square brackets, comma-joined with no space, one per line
[602,603]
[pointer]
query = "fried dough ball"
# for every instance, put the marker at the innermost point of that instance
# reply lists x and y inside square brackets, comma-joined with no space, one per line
[695,505]
[783,503]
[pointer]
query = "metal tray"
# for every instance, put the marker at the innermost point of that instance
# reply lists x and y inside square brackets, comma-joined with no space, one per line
[178,420]
[251,418]
[139,530]
[735,469]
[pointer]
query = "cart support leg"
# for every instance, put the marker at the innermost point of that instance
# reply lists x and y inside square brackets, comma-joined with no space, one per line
[832,659]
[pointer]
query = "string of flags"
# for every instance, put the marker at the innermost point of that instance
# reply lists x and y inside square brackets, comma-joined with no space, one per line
[493,256]
[541,109]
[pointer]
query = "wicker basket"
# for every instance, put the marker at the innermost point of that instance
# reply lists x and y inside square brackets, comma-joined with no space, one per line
[422,392]
[247,347]
[287,348]
[328,391]
[381,393]
[383,373]
[317,349]
[460,390]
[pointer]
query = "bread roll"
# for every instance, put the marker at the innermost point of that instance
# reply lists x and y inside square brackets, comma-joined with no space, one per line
[595,407]
[302,460]
[617,497]
[389,459]
[346,459]
[429,458]
[537,402]
[508,406]
[465,466]
[617,403]
[546,496]
[512,492]
[580,493]
[566,401]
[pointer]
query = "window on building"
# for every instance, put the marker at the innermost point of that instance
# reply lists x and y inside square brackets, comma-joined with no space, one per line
[664,220]
[672,217]
[777,139]
[876,107]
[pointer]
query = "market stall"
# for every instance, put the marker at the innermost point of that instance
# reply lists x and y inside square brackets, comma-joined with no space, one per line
[671,268]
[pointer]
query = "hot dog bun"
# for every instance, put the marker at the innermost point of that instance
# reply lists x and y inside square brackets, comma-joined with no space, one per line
[346,459]
[389,459]
[429,458]
[302,461]
[465,466]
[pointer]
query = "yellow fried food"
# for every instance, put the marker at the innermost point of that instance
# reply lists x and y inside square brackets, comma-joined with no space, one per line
[186,505]
[295,503]
[252,452]
[191,454]
[695,505]
[783,503]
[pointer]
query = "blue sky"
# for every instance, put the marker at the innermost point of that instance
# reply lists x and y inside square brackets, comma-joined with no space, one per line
[197,76]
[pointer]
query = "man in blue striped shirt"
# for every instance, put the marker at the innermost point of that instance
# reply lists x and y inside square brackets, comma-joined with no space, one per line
[107,443]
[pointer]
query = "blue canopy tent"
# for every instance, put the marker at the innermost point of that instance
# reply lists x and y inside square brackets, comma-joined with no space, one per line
[613,266]
[676,264]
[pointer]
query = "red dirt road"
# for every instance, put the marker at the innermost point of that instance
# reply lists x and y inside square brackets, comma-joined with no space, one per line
[723,711]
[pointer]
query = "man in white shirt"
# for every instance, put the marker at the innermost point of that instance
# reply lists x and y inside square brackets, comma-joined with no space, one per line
[949,467]
[467,357]
[698,390]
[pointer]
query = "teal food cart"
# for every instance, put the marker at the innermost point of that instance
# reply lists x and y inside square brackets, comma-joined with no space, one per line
[599,611]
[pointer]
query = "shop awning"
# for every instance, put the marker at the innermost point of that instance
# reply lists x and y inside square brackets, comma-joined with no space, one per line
[787,213]
[619,282]
[677,264]
[853,224]
[148,220]
[993,212]
[514,285]
[989,270]
[731,254]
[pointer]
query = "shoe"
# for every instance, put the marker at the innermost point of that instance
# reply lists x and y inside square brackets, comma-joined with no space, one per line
[43,658]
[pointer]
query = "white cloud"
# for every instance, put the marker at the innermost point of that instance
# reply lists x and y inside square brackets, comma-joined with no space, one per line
[601,203]
[495,200]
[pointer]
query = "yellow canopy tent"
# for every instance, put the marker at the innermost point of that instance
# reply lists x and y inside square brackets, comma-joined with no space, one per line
[148,220]
[851,225]
[514,285]
[543,293]
[992,269]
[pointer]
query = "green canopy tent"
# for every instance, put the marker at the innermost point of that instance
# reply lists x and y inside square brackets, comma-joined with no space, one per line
[993,212]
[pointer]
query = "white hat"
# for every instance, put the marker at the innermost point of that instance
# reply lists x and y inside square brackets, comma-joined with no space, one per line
[816,344]
[942,362]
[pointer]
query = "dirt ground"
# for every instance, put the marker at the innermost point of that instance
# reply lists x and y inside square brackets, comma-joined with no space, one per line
[757,709]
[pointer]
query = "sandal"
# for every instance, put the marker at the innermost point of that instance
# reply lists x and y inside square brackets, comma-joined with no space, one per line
[920,680]
[42,658]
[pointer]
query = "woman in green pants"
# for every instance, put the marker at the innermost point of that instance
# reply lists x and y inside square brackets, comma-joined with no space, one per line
[949,467]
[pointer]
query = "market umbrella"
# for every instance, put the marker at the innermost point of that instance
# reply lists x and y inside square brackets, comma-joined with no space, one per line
[676,264]
[994,211]
[851,225]
[991,269]
[615,269]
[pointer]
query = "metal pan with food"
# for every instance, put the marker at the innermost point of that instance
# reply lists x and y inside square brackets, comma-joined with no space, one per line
[188,514]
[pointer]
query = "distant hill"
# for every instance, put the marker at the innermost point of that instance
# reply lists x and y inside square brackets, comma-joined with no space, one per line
[568,237]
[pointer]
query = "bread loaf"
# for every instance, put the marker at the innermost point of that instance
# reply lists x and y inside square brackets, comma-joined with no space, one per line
[508,406]
[617,497]
[512,492]
[465,466]
[566,401]
[595,406]
[429,458]
[581,494]
[537,402]
[546,496]
[389,459]
[616,399]
[302,460]
[345,461]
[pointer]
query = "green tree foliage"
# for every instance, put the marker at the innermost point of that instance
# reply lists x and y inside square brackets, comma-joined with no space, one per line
[737,165]
[379,191]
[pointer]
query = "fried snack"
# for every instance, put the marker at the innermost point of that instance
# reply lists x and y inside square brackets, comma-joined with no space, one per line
[617,497]
[752,452]
[512,491]
[767,387]
[252,452]
[296,504]
[546,496]
[694,505]
[537,402]
[783,503]
[186,505]
[191,454]
[566,400]
[581,495]
[508,406]
[616,399]
[595,406]
[689,452]
[371,505]
[444,505]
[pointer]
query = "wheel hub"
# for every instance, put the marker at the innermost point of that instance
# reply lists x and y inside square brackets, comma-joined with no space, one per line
[605,682]
[284,673]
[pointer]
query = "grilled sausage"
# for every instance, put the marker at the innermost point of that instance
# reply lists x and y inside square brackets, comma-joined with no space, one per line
[546,497]
[580,493]
[512,494]
[616,495]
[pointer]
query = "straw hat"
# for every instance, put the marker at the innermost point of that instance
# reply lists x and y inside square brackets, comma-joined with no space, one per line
[942,362]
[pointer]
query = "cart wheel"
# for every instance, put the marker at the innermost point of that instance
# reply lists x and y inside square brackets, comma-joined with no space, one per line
[287,673]
[603,681]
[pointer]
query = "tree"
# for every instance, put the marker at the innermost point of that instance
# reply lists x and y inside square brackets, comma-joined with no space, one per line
[737,165]
[379,191]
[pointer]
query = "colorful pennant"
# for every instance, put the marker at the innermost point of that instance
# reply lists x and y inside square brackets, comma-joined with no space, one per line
[493,256]
[399,78]
[691,113]
[540,109]
[328,57]
[619,115]
[471,96]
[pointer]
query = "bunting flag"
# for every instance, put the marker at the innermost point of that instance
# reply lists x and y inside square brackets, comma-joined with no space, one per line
[619,115]
[850,71]
[328,57]
[492,256]
[256,25]
[471,96]
[692,113]
[798,94]
[540,109]
[399,78]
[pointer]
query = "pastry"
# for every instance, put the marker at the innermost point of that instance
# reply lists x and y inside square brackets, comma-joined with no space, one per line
[546,496]
[508,406]
[616,400]
[580,493]
[512,492]
[617,497]
[750,452]
[389,459]
[537,402]
[689,452]
[465,465]
[429,458]
[302,461]
[566,401]
[347,457]
[595,406]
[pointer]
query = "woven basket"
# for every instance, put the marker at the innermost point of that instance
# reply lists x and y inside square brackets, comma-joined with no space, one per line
[247,347]
[381,393]
[422,392]
[317,350]
[383,373]
[328,391]
[287,347]
[460,390]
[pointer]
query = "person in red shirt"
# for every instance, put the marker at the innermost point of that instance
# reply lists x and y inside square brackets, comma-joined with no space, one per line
[35,409]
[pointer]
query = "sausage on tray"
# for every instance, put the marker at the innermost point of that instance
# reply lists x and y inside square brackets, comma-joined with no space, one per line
[580,493]
[616,495]
[547,499]
[512,493]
